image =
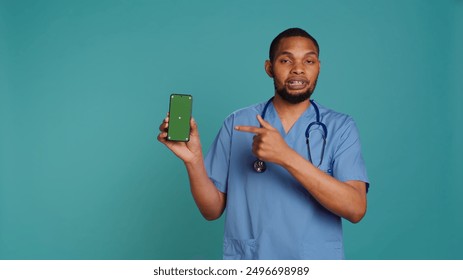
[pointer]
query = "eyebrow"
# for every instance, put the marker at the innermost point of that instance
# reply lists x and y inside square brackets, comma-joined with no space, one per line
[291,54]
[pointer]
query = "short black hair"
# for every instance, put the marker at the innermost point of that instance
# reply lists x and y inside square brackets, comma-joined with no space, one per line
[291,32]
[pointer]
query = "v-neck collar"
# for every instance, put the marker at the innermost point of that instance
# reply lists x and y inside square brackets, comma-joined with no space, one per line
[274,119]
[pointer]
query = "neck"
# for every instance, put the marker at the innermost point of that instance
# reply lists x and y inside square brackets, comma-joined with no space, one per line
[289,113]
[286,109]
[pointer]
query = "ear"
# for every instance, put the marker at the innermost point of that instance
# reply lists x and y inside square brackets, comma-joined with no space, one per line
[269,68]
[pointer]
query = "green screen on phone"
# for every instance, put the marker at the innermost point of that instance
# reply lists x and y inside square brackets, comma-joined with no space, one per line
[179,117]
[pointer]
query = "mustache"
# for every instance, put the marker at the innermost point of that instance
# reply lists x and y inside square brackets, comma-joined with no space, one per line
[294,98]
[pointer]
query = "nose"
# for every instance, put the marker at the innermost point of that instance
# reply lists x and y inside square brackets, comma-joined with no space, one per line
[297,69]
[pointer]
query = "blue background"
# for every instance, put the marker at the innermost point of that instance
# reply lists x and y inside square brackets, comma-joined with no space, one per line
[85,84]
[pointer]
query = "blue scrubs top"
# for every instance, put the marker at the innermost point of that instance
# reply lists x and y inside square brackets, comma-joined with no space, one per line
[270,215]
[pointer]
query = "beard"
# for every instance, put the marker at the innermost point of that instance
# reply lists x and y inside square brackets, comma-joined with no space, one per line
[295,98]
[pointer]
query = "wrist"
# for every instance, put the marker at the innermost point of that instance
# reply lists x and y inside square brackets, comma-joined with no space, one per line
[287,158]
[194,161]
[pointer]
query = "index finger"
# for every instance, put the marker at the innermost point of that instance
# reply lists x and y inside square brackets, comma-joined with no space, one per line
[251,129]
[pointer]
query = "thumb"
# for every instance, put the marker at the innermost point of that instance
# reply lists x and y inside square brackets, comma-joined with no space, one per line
[194,127]
[264,123]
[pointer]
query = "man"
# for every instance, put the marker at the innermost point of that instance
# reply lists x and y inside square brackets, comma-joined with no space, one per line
[293,209]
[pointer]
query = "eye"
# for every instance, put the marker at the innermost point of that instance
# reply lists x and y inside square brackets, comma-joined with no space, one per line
[284,60]
[310,61]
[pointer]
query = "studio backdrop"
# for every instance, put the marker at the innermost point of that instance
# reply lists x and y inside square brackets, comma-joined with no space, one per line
[84,86]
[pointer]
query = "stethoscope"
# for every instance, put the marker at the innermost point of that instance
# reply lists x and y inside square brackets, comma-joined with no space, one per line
[260,166]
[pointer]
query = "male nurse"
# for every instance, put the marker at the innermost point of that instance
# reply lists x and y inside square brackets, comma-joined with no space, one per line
[286,170]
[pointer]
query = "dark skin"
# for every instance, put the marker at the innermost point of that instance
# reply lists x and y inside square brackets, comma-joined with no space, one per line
[295,67]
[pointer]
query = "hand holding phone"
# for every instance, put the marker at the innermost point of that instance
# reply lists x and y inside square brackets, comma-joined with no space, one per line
[180,108]
[181,135]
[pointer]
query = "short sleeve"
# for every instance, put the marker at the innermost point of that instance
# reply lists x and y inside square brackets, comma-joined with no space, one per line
[218,157]
[348,160]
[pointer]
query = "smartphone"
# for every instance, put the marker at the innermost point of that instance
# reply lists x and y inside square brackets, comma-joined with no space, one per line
[180,108]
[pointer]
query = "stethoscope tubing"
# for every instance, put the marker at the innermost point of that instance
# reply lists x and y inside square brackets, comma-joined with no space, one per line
[260,166]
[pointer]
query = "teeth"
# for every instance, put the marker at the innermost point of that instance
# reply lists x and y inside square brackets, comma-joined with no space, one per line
[296,82]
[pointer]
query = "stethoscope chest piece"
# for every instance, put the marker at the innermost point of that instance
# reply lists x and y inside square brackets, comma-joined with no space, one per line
[259,166]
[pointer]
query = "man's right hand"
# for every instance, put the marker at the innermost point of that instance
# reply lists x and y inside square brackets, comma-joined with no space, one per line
[189,152]
[210,201]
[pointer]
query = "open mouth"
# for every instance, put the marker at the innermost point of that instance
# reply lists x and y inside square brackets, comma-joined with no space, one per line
[296,84]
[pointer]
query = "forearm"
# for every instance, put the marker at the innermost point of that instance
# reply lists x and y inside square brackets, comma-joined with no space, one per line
[210,201]
[345,199]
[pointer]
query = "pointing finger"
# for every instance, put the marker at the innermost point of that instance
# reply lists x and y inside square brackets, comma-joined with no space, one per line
[264,123]
[251,129]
